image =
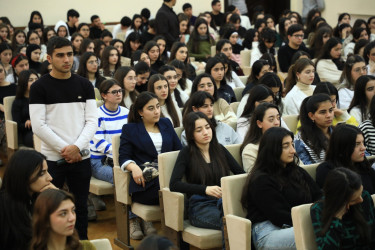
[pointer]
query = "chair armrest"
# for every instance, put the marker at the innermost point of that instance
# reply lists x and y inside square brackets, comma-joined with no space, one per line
[121,181]
[173,209]
[11,134]
[239,232]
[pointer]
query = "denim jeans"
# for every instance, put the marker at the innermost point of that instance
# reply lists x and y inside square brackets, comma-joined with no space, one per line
[268,236]
[100,171]
[205,212]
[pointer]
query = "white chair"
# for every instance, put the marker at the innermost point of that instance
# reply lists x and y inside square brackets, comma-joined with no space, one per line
[179,131]
[245,57]
[213,50]
[102,244]
[234,106]
[172,206]
[123,201]
[303,228]
[11,129]
[238,93]
[291,121]
[310,169]
[243,79]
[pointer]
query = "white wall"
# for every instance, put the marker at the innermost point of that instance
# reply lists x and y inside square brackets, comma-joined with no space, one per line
[52,11]
[358,9]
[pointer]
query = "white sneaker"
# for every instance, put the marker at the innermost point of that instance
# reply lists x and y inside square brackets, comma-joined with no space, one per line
[135,229]
[148,228]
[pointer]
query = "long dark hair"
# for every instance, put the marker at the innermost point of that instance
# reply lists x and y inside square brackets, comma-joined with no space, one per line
[16,60]
[23,82]
[297,67]
[211,63]
[177,95]
[269,163]
[181,66]
[105,60]
[120,75]
[347,71]
[327,88]
[325,52]
[339,187]
[138,105]
[255,70]
[85,43]
[254,133]
[82,69]
[195,37]
[45,205]
[367,50]
[175,47]
[311,134]
[132,37]
[169,101]
[257,93]
[271,80]
[359,98]
[200,172]
[35,12]
[197,81]
[267,35]
[15,198]
[197,100]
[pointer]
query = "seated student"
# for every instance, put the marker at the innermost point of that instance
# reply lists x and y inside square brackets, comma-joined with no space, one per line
[322,35]
[19,63]
[110,61]
[200,41]
[96,27]
[119,30]
[360,47]
[286,52]
[204,102]
[364,90]
[131,45]
[275,185]
[34,38]
[5,57]
[149,33]
[106,37]
[354,68]
[111,118]
[179,51]
[347,149]
[84,30]
[25,176]
[158,85]
[223,112]
[265,116]
[62,30]
[183,21]
[127,79]
[215,67]
[316,117]
[162,43]
[179,97]
[344,218]
[119,45]
[203,162]
[302,54]
[251,39]
[33,54]
[142,71]
[135,25]
[329,64]
[267,39]
[184,83]
[231,77]
[144,137]
[232,36]
[298,85]
[76,40]
[54,218]
[224,46]
[358,33]
[20,107]
[89,68]
[259,68]
[369,56]
[340,116]
[153,51]
[259,94]
[368,129]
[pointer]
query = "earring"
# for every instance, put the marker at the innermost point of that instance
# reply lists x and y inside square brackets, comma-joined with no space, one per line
[313,121]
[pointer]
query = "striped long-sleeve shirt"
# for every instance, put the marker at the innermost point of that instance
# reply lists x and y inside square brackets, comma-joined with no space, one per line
[368,130]
[109,124]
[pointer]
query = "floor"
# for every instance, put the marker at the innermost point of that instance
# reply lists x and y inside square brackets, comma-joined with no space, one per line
[105,225]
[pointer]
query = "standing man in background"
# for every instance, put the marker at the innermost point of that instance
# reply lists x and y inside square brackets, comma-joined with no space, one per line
[309,5]
[167,23]
[64,116]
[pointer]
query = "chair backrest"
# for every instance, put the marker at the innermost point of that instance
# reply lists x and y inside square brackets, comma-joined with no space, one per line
[245,57]
[213,50]
[233,125]
[125,61]
[115,149]
[291,121]
[166,162]
[99,103]
[243,79]
[97,94]
[311,169]
[232,187]
[234,150]
[303,228]
[178,131]
[102,244]
[8,102]
[234,106]
[238,93]
[37,143]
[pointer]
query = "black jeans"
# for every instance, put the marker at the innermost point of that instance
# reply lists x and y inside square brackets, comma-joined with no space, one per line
[77,176]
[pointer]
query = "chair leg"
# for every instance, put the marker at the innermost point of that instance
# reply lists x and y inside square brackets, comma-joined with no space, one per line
[10,152]
[122,224]
[226,239]
[171,234]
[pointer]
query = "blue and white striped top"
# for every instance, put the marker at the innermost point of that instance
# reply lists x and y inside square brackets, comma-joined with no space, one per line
[109,123]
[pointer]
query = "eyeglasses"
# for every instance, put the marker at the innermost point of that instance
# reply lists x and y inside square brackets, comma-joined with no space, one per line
[299,36]
[115,92]
[132,78]
[85,30]
[93,62]
[359,69]
[172,77]
[179,76]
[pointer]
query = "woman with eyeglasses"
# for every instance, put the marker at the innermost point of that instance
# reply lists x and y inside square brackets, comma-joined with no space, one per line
[126,76]
[89,68]
[179,97]
[354,67]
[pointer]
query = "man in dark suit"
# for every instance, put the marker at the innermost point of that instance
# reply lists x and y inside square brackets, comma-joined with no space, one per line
[167,23]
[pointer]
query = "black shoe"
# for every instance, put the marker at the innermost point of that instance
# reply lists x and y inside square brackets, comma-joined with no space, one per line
[97,202]
[91,213]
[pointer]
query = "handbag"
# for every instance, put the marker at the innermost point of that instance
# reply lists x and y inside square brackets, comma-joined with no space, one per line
[150,170]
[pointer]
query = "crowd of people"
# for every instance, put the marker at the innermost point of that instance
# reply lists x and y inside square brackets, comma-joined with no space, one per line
[152,75]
